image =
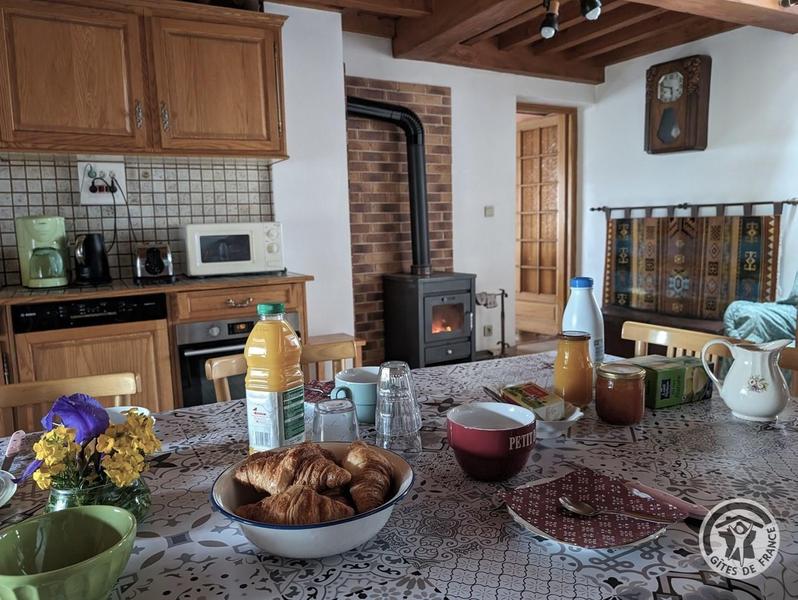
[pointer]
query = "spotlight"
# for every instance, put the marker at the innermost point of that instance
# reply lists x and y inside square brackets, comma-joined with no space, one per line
[591,9]
[551,22]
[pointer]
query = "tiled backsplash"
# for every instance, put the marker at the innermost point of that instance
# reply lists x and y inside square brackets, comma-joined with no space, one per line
[162,195]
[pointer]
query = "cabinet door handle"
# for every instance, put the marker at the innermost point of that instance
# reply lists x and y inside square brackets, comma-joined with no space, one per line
[277,82]
[233,304]
[164,116]
[139,115]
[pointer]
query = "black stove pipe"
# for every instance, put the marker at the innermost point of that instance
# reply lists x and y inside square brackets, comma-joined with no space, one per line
[409,122]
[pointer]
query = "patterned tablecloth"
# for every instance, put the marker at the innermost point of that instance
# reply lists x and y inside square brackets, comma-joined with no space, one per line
[451,537]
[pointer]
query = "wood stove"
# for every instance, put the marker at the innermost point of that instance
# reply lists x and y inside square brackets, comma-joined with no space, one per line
[429,317]
[429,320]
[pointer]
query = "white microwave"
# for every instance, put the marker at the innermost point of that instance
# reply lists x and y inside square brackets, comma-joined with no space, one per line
[233,248]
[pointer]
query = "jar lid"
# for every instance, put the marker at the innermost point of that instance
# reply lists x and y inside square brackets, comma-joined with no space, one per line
[620,370]
[573,336]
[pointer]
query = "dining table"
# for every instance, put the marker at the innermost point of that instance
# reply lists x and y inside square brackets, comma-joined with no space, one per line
[452,536]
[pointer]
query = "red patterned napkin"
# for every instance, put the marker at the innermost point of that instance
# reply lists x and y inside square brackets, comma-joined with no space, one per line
[538,505]
[313,395]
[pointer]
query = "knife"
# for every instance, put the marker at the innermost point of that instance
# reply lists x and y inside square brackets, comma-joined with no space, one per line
[693,510]
[13,448]
[494,395]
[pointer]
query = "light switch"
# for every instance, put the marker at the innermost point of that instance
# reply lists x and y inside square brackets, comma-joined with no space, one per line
[488,211]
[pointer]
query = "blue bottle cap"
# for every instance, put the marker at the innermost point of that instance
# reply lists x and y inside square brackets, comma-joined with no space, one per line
[581,282]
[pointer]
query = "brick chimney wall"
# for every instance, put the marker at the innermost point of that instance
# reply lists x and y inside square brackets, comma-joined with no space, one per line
[378,202]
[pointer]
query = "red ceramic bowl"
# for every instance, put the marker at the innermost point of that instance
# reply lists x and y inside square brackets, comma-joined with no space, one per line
[491,441]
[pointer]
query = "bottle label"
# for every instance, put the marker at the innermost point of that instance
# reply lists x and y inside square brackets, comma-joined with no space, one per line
[598,351]
[275,419]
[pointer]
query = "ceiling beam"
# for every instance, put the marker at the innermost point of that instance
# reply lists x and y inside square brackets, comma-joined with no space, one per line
[694,29]
[452,22]
[521,61]
[653,27]
[622,18]
[760,13]
[528,15]
[570,15]
[394,8]
[355,21]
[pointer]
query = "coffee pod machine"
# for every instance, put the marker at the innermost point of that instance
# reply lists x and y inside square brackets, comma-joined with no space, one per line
[42,247]
[91,260]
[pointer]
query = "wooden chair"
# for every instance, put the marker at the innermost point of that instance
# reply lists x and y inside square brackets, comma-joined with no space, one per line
[677,342]
[334,349]
[683,342]
[23,404]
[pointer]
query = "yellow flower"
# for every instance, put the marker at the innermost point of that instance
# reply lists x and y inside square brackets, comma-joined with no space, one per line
[140,430]
[56,446]
[44,475]
[123,468]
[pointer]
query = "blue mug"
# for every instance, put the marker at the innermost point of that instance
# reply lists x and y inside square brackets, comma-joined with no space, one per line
[359,384]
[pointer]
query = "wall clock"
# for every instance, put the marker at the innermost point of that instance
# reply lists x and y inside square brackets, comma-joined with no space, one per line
[677,105]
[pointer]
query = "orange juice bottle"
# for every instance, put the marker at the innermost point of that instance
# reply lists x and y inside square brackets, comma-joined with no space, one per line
[274,382]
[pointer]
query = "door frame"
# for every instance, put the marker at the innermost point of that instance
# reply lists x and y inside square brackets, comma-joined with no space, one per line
[570,114]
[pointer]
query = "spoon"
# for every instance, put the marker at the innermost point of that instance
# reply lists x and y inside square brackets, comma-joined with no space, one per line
[586,510]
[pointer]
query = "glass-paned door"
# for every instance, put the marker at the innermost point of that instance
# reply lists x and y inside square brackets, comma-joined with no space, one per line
[540,224]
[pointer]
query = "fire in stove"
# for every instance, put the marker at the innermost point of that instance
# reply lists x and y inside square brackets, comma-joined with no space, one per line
[447,318]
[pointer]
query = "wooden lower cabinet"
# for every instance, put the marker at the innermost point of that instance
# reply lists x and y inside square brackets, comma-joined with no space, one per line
[141,348]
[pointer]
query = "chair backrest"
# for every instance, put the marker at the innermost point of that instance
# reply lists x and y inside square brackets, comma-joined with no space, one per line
[334,349]
[677,342]
[23,404]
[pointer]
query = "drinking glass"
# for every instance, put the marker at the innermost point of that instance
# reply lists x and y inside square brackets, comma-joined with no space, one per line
[398,418]
[335,420]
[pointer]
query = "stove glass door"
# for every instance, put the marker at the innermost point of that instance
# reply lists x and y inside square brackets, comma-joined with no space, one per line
[447,317]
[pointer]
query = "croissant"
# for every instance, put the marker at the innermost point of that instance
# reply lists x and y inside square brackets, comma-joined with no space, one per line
[298,505]
[305,464]
[372,476]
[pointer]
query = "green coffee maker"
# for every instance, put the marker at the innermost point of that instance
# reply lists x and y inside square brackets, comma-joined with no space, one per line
[41,242]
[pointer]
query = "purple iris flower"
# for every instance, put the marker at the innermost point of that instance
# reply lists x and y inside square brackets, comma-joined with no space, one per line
[80,412]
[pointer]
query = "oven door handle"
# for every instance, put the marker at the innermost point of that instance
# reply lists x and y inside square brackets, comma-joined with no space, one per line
[217,349]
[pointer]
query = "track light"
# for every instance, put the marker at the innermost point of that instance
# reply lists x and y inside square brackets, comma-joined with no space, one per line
[591,9]
[551,22]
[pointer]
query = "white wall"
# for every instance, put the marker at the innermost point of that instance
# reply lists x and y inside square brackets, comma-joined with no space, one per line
[752,153]
[483,156]
[311,191]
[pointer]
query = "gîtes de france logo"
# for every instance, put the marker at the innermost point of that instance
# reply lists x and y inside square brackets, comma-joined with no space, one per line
[739,538]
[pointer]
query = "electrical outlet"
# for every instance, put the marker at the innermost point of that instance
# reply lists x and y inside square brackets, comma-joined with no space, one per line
[487,330]
[98,173]
[488,211]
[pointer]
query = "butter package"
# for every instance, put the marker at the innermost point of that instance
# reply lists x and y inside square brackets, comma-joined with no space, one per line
[545,405]
[673,381]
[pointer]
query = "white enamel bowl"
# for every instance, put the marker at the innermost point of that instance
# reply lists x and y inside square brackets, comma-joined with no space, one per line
[311,541]
[117,413]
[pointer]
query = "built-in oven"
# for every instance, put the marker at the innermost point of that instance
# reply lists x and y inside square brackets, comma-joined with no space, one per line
[197,342]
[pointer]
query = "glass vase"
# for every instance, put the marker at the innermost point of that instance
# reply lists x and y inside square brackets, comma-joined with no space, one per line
[135,497]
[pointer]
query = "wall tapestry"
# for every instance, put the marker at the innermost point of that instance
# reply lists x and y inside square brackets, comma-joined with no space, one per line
[690,266]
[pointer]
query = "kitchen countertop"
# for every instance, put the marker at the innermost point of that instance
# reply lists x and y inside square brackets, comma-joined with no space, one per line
[121,287]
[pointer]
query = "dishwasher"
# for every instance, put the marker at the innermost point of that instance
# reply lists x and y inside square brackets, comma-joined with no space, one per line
[197,342]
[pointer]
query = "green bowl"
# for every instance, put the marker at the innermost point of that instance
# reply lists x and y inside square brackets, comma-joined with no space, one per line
[73,553]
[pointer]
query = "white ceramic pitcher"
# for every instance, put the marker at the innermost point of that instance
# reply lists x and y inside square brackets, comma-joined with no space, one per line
[754,388]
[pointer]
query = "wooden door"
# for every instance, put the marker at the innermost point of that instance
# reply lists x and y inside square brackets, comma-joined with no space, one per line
[541,237]
[72,78]
[141,348]
[218,86]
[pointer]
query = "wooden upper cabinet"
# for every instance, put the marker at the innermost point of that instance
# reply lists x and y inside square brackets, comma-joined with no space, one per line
[218,86]
[72,78]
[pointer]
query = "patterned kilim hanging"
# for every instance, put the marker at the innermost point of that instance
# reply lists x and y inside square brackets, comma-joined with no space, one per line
[690,267]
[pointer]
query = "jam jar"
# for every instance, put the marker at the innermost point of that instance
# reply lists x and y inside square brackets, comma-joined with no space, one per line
[620,393]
